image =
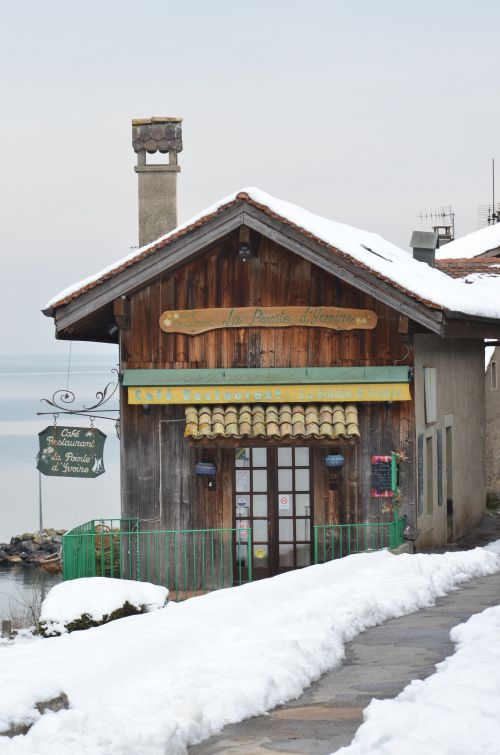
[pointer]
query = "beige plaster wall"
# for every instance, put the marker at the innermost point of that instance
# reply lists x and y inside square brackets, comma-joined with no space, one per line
[461,405]
[492,396]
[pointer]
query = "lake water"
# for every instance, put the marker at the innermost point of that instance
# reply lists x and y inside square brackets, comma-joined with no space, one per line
[20,586]
[24,380]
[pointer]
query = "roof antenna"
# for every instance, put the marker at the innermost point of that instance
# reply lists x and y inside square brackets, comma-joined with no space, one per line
[494,215]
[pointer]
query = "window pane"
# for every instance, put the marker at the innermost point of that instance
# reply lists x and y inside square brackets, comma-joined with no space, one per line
[284,480]
[259,457]
[260,505]
[286,555]
[242,480]
[242,506]
[302,529]
[260,556]
[242,457]
[286,529]
[303,504]
[242,531]
[259,530]
[303,555]
[242,553]
[302,457]
[285,504]
[301,479]
[259,480]
[284,457]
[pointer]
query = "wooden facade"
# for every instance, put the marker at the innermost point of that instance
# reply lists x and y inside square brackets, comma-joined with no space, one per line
[158,483]
[200,268]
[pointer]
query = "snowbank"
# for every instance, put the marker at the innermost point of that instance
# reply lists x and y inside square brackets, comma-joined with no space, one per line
[453,712]
[158,682]
[97,598]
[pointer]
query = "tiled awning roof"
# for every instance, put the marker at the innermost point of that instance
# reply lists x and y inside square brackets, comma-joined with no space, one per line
[327,421]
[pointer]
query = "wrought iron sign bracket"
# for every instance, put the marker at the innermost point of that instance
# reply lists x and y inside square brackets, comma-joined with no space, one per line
[63,399]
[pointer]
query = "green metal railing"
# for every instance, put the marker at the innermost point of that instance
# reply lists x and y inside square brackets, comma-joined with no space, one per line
[193,562]
[333,541]
[188,562]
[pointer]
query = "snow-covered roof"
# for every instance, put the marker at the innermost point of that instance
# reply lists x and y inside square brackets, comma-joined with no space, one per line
[367,250]
[478,242]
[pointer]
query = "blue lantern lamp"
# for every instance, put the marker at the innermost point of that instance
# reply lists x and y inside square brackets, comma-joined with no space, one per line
[334,461]
[208,470]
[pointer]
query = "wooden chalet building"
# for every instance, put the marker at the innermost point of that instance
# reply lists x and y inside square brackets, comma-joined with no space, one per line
[264,340]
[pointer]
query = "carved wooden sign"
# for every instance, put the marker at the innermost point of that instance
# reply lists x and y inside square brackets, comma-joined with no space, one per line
[194,321]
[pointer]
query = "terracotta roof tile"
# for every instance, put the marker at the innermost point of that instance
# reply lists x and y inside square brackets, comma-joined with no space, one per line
[272,421]
[461,268]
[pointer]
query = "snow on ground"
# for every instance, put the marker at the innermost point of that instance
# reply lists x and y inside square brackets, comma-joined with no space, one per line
[154,683]
[370,249]
[97,596]
[452,712]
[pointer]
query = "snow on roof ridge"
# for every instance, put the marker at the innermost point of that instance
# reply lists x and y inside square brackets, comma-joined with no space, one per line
[366,248]
[472,244]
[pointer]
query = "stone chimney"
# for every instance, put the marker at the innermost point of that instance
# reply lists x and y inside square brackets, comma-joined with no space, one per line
[157,181]
[424,245]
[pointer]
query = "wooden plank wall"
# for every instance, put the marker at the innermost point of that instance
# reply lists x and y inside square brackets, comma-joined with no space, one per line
[158,464]
[276,277]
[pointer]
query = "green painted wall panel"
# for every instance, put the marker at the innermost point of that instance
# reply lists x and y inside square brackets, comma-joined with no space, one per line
[263,376]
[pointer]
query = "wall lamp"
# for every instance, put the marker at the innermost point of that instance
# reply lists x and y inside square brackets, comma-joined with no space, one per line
[207,470]
[334,461]
[245,252]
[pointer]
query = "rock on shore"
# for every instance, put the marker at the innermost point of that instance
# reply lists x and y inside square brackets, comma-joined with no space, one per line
[42,548]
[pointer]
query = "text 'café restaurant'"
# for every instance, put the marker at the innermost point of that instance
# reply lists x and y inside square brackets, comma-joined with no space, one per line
[284,374]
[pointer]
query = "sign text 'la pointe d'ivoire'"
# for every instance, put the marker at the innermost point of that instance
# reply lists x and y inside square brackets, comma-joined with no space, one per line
[71,451]
[194,321]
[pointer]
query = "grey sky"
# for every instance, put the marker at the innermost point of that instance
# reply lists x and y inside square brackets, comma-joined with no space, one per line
[364,111]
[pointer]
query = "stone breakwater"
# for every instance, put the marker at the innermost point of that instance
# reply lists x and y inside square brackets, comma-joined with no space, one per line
[42,548]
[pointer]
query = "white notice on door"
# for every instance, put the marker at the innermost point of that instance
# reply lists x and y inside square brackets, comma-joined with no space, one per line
[283,501]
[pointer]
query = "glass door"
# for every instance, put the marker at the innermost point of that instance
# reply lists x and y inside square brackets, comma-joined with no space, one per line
[293,508]
[251,507]
[272,490]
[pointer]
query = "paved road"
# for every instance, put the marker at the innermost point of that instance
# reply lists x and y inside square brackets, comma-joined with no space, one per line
[379,663]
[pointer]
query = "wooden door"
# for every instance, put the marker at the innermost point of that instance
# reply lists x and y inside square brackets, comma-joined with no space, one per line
[273,497]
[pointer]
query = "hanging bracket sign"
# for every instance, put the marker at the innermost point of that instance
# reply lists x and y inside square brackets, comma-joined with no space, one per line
[194,321]
[71,451]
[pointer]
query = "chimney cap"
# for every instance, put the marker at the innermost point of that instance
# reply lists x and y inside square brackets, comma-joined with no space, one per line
[424,240]
[157,134]
[155,119]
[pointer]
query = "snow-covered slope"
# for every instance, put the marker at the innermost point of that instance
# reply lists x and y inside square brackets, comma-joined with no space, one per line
[452,712]
[155,683]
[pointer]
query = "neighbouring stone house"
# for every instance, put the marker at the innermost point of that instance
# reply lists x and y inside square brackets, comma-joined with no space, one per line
[469,258]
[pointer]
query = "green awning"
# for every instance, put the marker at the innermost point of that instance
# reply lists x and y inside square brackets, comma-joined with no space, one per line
[267,376]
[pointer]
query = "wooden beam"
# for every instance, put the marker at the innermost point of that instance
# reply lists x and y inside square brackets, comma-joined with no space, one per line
[121,311]
[261,442]
[459,328]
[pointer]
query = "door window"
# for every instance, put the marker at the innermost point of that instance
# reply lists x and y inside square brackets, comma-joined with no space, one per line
[273,499]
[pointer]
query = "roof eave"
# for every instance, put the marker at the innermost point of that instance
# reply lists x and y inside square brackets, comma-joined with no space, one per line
[194,240]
